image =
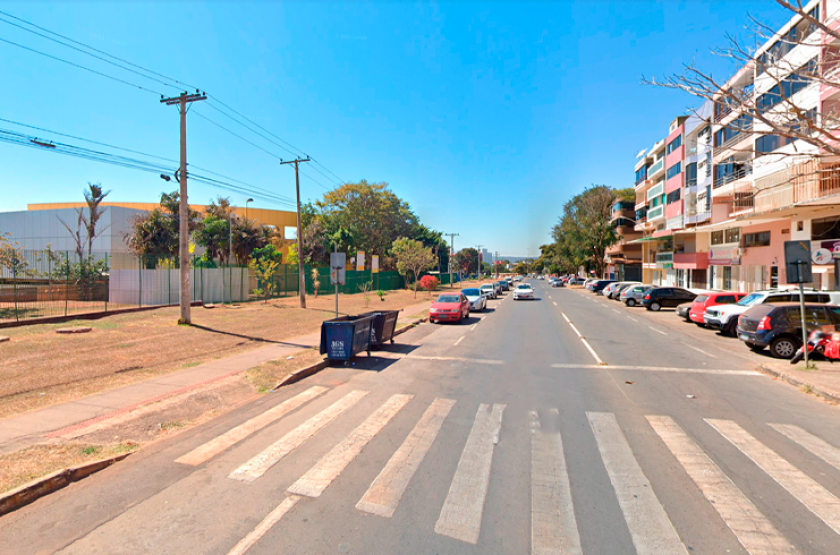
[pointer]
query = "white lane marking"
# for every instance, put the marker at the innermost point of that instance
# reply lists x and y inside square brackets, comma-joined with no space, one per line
[258,465]
[750,526]
[816,498]
[651,530]
[723,372]
[710,355]
[456,359]
[325,471]
[566,318]
[555,303]
[812,443]
[592,352]
[460,339]
[575,329]
[616,311]
[632,318]
[216,445]
[474,325]
[384,494]
[460,517]
[657,331]
[264,526]
[553,524]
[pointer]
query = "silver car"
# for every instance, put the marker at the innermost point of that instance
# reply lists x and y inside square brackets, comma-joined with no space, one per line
[632,296]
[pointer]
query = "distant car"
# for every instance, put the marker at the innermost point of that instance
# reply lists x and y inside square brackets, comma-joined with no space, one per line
[557,283]
[477,298]
[682,311]
[779,326]
[599,285]
[504,285]
[611,290]
[713,298]
[488,290]
[633,296]
[617,291]
[523,291]
[450,307]
[540,276]
[517,278]
[662,297]
[497,286]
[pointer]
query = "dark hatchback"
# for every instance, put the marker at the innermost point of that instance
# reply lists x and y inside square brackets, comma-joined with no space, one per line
[664,297]
[599,285]
[504,285]
[779,325]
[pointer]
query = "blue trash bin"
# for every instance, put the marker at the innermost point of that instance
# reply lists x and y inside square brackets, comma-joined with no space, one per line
[344,337]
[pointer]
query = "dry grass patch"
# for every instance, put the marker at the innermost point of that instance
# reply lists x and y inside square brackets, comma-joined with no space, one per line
[21,467]
[267,375]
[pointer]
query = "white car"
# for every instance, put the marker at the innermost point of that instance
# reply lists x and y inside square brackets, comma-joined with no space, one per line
[523,291]
[489,290]
[477,298]
[725,316]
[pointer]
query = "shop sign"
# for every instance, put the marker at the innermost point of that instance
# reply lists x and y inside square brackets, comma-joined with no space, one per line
[725,256]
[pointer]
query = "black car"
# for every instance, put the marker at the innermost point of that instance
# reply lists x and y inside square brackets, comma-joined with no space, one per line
[504,285]
[662,297]
[779,325]
[599,285]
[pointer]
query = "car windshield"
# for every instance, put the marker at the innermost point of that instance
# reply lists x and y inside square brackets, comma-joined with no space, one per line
[749,300]
[523,286]
[487,286]
[448,299]
[700,299]
[471,292]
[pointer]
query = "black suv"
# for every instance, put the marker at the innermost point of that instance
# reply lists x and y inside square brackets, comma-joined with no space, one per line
[662,297]
[779,325]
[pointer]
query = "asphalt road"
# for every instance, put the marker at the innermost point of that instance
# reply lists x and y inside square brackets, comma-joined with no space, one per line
[505,434]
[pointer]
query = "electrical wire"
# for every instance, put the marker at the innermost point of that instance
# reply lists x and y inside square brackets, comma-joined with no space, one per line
[117,79]
[95,49]
[220,126]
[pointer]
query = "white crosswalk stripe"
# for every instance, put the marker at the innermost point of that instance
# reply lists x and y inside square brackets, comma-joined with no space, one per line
[816,498]
[812,443]
[649,525]
[753,530]
[461,515]
[384,494]
[317,478]
[553,525]
[260,464]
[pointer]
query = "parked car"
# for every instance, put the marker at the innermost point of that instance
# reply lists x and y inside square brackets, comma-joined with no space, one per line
[599,285]
[663,297]
[633,296]
[617,291]
[612,290]
[713,298]
[607,291]
[497,286]
[450,307]
[682,310]
[477,298]
[725,317]
[488,290]
[557,282]
[779,326]
[523,291]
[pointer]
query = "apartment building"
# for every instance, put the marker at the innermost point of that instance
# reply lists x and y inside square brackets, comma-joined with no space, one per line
[719,194]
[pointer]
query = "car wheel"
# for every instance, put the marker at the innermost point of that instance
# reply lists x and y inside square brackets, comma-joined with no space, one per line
[630,302]
[732,328]
[783,347]
[654,306]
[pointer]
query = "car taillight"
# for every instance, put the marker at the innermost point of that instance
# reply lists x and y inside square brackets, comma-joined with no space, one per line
[647,297]
[764,323]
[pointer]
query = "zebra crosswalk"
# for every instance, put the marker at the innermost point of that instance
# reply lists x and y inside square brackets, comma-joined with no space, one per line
[555,527]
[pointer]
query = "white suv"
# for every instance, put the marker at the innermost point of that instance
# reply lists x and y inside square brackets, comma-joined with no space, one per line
[725,317]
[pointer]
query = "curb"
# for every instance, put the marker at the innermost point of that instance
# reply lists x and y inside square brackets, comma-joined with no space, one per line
[307,371]
[826,394]
[27,493]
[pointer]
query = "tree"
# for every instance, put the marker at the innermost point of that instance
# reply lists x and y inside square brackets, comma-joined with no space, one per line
[94,195]
[214,231]
[247,236]
[779,112]
[264,269]
[429,283]
[156,233]
[411,256]
[466,260]
[584,231]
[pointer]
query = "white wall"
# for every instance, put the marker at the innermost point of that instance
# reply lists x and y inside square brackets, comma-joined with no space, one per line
[161,287]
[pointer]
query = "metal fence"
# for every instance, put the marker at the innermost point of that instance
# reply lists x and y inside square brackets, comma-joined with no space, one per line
[50,283]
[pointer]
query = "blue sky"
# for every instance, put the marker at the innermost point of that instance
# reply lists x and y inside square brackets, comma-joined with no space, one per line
[485,116]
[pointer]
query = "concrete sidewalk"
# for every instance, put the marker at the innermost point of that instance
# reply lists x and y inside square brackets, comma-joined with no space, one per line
[823,380]
[30,428]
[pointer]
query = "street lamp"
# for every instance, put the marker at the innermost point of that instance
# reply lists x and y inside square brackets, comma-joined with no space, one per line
[246,207]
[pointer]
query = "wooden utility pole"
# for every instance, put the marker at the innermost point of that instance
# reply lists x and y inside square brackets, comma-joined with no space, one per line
[184,210]
[301,276]
[452,237]
[480,274]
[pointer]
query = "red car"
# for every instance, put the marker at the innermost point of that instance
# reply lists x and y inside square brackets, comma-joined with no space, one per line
[705,300]
[450,307]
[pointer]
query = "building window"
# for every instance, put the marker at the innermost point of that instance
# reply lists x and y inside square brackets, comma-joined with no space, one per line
[739,125]
[789,86]
[717,237]
[623,222]
[691,174]
[733,234]
[825,228]
[673,197]
[769,143]
[674,145]
[758,239]
[641,174]
[674,170]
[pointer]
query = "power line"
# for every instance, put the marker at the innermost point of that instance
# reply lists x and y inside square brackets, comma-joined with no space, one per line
[237,135]
[275,143]
[117,79]
[214,99]
[95,50]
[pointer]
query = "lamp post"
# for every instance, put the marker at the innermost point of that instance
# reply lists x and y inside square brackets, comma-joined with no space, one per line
[246,207]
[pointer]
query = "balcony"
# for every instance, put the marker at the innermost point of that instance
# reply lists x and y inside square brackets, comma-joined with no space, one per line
[656,191]
[622,206]
[691,260]
[656,213]
[739,173]
[806,182]
[656,168]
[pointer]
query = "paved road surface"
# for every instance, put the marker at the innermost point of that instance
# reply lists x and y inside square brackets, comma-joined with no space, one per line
[501,435]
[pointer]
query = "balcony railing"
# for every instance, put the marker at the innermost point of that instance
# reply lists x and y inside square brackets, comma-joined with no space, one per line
[740,173]
[744,133]
[656,212]
[805,182]
[656,167]
[656,190]
[664,257]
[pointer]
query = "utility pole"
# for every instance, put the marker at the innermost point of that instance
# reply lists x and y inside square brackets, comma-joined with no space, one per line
[452,237]
[184,210]
[301,276]
[480,273]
